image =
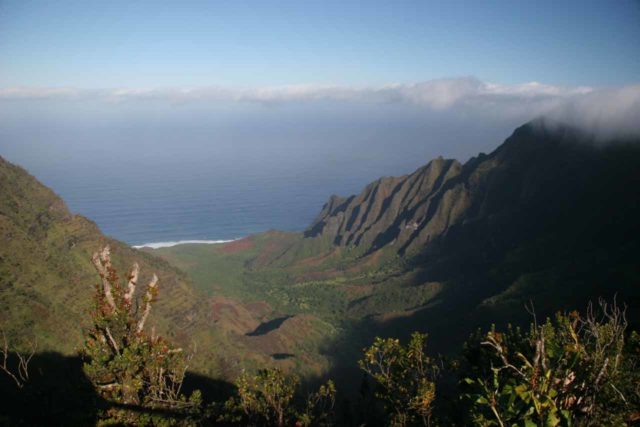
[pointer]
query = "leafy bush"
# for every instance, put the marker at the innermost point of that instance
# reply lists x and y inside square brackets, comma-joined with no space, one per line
[138,375]
[405,378]
[268,398]
[575,370]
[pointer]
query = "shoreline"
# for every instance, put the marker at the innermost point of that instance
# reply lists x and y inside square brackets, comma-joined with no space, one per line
[158,245]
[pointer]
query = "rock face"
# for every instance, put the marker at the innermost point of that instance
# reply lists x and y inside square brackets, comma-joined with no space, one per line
[529,178]
[392,209]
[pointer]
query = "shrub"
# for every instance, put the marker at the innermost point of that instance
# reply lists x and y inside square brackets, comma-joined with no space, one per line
[139,375]
[268,397]
[575,370]
[405,378]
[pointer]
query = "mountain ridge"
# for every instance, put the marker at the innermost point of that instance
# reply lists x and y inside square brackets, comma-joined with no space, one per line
[411,210]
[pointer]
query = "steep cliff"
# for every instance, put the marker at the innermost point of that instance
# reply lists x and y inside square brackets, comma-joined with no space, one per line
[531,178]
[391,209]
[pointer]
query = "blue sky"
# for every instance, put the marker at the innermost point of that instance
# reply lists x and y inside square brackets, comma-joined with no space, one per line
[458,76]
[105,44]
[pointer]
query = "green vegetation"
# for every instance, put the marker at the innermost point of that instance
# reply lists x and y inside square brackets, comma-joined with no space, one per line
[268,398]
[405,377]
[128,367]
[46,284]
[578,370]
[575,370]
[46,275]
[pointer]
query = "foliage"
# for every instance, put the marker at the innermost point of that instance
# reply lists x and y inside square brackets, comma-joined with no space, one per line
[268,398]
[575,370]
[130,369]
[405,376]
[319,406]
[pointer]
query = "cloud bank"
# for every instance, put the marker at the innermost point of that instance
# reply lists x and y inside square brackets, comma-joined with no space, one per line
[608,112]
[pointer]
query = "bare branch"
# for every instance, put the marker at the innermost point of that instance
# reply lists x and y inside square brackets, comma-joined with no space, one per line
[22,375]
[111,340]
[492,342]
[148,298]
[133,281]
[102,263]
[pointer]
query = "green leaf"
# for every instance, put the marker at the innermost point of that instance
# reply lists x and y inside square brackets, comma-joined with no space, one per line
[552,420]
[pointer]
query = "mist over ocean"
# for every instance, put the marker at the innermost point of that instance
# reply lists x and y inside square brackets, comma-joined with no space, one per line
[148,175]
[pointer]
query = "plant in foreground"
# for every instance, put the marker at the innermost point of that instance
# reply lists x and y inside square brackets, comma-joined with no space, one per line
[133,371]
[576,370]
[268,397]
[405,378]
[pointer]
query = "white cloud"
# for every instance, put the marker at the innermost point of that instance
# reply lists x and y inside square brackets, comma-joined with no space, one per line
[607,113]
[437,94]
[603,110]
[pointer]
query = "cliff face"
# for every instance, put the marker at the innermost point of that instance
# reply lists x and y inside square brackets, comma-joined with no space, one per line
[532,178]
[391,210]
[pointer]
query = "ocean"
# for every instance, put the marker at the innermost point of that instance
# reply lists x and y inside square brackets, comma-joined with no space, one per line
[167,180]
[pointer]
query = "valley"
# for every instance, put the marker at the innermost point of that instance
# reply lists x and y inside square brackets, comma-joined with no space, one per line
[445,250]
[545,221]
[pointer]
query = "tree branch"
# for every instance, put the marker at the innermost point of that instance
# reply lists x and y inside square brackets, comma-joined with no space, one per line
[148,298]
[102,263]
[133,281]
[23,362]
[111,340]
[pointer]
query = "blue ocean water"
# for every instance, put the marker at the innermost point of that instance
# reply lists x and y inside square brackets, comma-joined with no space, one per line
[208,177]
[190,191]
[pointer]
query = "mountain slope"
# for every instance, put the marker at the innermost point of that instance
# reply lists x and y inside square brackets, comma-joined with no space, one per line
[46,288]
[390,209]
[549,216]
[46,276]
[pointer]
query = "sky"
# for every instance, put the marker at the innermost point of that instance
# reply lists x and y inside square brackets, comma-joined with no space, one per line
[456,76]
[91,44]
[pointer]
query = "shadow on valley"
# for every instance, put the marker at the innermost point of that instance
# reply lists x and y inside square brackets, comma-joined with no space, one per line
[282,356]
[266,327]
[58,393]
